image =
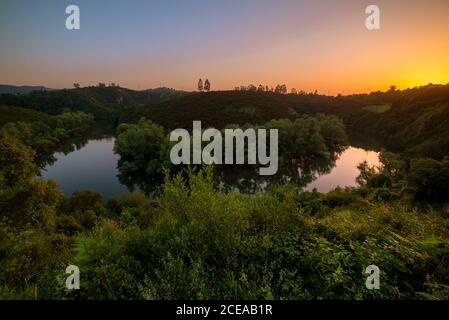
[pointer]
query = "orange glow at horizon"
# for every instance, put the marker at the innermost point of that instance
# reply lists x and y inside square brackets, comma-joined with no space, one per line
[308,45]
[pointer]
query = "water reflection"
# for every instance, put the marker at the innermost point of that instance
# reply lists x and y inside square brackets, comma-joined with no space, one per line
[48,159]
[100,132]
[92,164]
[147,184]
[300,172]
[344,171]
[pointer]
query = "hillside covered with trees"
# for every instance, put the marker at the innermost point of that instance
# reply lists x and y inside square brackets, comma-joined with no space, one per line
[104,102]
[412,121]
[194,239]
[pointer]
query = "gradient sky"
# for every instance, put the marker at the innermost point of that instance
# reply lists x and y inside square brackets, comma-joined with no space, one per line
[309,45]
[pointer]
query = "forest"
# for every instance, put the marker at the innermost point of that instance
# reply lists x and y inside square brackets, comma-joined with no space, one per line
[194,239]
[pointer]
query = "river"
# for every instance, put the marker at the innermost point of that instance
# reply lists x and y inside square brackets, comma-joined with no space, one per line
[94,166]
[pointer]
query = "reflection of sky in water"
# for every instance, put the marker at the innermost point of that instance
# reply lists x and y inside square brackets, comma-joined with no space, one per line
[94,166]
[345,170]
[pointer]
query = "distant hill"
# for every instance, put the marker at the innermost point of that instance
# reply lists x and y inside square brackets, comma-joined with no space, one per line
[5,88]
[164,91]
[217,108]
[102,102]
[413,121]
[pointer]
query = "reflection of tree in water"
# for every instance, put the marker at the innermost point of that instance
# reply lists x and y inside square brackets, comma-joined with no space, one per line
[246,179]
[48,158]
[99,132]
[300,172]
[148,184]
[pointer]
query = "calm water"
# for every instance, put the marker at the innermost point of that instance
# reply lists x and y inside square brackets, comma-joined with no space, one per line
[345,170]
[94,166]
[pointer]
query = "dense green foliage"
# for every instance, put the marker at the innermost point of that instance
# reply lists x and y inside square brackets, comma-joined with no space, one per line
[44,136]
[144,147]
[423,179]
[214,109]
[412,122]
[103,102]
[309,136]
[195,240]
[197,243]
[27,211]
[141,147]
[416,124]
[14,114]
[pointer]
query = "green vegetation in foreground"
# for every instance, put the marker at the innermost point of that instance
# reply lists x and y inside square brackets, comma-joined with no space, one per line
[196,242]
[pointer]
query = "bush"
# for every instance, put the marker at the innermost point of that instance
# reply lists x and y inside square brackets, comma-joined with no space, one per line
[204,244]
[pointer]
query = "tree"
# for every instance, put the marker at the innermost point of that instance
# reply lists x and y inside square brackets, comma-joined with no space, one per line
[293,91]
[14,174]
[367,172]
[76,85]
[140,147]
[252,87]
[24,198]
[428,179]
[207,85]
[261,88]
[83,200]
[283,89]
[200,85]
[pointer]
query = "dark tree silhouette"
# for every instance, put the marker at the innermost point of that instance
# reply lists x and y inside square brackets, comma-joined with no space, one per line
[207,85]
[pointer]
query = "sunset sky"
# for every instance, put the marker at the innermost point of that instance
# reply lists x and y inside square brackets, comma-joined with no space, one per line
[309,45]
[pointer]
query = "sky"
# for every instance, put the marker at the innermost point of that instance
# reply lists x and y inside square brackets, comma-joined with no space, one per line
[309,45]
